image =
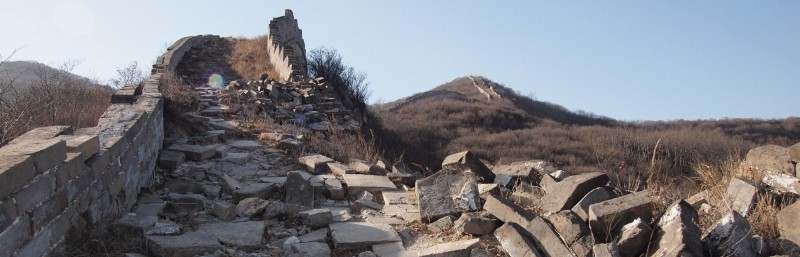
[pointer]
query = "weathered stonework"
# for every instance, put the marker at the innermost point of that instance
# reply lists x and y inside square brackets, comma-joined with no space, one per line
[287,50]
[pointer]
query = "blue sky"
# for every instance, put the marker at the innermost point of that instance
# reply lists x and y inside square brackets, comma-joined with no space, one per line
[630,60]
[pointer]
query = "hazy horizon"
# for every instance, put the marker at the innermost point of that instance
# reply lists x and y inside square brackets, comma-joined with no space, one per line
[624,60]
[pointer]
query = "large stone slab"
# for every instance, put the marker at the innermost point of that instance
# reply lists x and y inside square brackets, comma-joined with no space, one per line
[741,195]
[516,241]
[361,235]
[466,160]
[573,231]
[170,160]
[258,190]
[315,163]
[730,236]
[46,153]
[451,249]
[770,158]
[299,190]
[241,235]
[546,239]
[635,237]
[677,233]
[506,211]
[194,152]
[788,223]
[357,183]
[782,183]
[475,224]
[310,249]
[597,195]
[530,171]
[607,218]
[566,193]
[447,192]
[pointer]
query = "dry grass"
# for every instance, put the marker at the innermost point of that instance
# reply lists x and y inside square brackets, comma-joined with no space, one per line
[250,58]
[343,145]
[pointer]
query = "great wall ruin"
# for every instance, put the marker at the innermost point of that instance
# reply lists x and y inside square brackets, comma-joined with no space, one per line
[220,192]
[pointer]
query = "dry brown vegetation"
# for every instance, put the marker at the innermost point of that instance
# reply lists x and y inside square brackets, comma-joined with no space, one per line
[50,99]
[249,57]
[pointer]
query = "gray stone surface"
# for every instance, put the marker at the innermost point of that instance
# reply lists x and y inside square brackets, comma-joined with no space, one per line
[278,209]
[340,169]
[788,223]
[310,249]
[316,218]
[319,236]
[546,239]
[361,235]
[194,152]
[530,170]
[451,249]
[251,207]
[741,195]
[475,224]
[466,160]
[298,190]
[241,235]
[677,233]
[258,190]
[607,218]
[46,153]
[595,196]
[15,172]
[566,193]
[334,188]
[606,250]
[441,225]
[506,211]
[573,231]
[447,192]
[516,241]
[316,163]
[357,183]
[730,236]
[15,235]
[187,245]
[246,145]
[225,211]
[782,183]
[635,237]
[171,160]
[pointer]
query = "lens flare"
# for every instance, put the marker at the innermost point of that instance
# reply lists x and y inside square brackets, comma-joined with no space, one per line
[216,80]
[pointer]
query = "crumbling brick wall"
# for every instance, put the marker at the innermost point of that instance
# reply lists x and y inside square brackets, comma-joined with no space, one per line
[287,50]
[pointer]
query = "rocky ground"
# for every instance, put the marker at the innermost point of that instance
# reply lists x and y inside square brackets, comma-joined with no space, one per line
[222,192]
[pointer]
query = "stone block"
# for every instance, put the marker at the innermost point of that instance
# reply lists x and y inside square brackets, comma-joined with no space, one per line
[249,145]
[447,192]
[334,188]
[441,225]
[573,231]
[475,224]
[49,209]
[606,250]
[316,163]
[194,152]
[258,190]
[87,145]
[8,213]
[170,160]
[607,218]
[568,192]
[454,249]
[357,183]
[516,241]
[309,249]
[506,211]
[788,223]
[741,195]
[37,246]
[247,236]
[15,172]
[46,154]
[635,237]
[730,236]
[40,133]
[782,183]
[224,210]
[466,160]
[316,218]
[319,236]
[72,166]
[547,239]
[299,190]
[251,207]
[15,235]
[530,171]
[36,192]
[361,235]
[595,196]
[340,169]
[677,233]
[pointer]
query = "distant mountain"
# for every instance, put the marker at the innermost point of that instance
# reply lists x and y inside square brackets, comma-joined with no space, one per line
[500,125]
[26,73]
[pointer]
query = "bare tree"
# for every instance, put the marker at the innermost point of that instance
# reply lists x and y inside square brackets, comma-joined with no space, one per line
[327,63]
[130,74]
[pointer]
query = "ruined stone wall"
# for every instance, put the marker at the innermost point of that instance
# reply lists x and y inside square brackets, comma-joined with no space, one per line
[287,50]
[53,177]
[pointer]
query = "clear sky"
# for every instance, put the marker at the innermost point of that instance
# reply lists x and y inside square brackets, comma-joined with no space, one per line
[630,60]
